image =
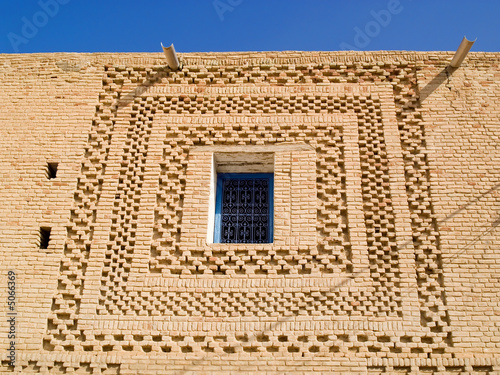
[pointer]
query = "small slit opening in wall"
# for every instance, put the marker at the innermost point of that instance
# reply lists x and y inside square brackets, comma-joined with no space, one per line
[44,237]
[52,170]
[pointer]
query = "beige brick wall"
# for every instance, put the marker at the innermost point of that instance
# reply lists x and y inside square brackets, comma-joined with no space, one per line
[462,129]
[387,211]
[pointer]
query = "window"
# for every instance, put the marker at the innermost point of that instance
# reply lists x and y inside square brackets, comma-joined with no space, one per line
[244,208]
[291,169]
[44,237]
[51,170]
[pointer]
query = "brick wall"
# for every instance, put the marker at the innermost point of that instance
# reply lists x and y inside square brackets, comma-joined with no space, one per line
[386,211]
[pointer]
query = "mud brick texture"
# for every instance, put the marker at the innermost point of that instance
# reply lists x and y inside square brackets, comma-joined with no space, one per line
[385,257]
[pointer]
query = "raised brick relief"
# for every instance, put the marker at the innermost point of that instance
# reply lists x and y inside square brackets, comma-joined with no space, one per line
[123,291]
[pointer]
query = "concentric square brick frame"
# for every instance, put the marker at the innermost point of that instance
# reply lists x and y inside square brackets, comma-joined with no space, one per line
[195,232]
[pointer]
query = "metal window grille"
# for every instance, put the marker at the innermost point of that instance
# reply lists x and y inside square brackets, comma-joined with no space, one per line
[244,208]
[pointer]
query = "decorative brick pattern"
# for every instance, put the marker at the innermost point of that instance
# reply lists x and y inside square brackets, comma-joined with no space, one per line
[66,304]
[377,206]
[332,256]
[425,234]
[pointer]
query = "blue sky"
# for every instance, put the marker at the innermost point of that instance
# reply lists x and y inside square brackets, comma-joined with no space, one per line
[30,26]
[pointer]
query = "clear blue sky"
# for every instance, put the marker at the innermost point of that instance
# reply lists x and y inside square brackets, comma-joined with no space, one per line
[246,25]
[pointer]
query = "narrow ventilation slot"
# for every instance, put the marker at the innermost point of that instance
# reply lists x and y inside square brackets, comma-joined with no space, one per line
[52,170]
[44,237]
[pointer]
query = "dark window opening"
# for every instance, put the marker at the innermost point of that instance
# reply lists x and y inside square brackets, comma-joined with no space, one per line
[52,170]
[44,237]
[244,208]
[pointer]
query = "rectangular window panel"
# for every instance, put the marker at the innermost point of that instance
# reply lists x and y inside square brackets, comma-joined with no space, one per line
[244,208]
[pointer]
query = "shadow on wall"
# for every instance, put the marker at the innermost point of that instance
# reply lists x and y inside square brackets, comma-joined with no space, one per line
[443,75]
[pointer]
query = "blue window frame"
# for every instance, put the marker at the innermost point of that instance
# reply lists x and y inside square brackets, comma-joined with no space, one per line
[244,208]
